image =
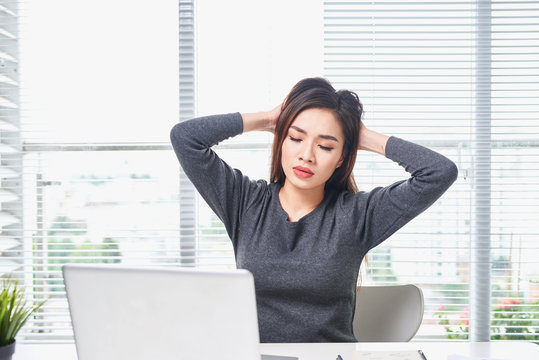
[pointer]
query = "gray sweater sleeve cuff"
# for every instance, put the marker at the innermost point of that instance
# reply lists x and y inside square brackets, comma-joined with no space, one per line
[393,147]
[216,128]
[237,123]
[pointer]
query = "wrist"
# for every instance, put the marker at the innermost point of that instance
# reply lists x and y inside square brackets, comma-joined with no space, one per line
[372,141]
[255,121]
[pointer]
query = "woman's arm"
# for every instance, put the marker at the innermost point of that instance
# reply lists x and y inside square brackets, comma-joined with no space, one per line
[226,190]
[384,210]
[371,140]
[262,121]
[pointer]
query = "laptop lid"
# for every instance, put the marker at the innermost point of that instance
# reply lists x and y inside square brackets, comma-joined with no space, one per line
[132,313]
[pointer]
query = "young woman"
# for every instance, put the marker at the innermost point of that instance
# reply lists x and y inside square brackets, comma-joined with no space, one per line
[303,234]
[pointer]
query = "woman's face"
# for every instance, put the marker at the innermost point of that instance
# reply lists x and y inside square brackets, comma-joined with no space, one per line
[312,149]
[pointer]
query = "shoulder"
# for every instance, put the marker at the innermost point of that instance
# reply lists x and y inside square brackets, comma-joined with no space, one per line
[256,192]
[354,204]
[346,199]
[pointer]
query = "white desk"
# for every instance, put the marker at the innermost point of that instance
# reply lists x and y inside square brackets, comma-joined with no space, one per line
[348,351]
[432,350]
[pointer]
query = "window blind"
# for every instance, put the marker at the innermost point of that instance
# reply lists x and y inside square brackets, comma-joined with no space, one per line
[10,142]
[92,89]
[462,78]
[187,194]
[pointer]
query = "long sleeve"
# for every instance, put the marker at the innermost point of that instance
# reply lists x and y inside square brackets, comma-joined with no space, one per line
[384,210]
[226,190]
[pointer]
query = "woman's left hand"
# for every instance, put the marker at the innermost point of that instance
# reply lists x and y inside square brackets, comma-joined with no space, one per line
[371,140]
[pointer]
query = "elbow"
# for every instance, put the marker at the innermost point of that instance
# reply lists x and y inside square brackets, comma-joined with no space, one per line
[447,176]
[441,180]
[176,133]
[452,172]
[444,176]
[178,137]
[184,145]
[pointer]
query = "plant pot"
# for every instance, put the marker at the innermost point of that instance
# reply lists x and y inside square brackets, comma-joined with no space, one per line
[6,351]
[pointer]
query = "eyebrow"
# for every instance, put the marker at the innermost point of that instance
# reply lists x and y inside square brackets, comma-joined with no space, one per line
[327,137]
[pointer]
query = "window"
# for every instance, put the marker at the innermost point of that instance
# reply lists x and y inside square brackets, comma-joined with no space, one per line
[95,174]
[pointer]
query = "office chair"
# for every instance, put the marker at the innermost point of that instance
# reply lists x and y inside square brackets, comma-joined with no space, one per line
[387,313]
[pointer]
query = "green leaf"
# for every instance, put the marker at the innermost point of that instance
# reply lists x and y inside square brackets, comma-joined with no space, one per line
[19,322]
[14,311]
[25,318]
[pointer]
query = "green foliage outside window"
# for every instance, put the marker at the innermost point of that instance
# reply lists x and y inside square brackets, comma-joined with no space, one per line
[379,265]
[66,243]
[456,327]
[512,319]
[515,320]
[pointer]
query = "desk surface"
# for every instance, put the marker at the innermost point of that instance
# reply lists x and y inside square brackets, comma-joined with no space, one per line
[348,351]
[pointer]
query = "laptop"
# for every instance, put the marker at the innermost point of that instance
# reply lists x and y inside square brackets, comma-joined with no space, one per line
[120,312]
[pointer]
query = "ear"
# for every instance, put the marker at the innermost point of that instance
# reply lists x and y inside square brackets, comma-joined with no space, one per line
[340,162]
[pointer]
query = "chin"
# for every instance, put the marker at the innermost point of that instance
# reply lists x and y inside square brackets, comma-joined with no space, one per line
[304,185]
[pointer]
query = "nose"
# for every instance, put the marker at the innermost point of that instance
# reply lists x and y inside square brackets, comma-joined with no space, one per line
[306,154]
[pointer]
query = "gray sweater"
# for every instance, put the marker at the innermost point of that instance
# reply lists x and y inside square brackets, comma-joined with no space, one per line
[306,271]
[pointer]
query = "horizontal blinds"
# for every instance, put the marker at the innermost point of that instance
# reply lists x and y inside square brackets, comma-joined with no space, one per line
[187,213]
[419,68]
[88,173]
[515,170]
[10,142]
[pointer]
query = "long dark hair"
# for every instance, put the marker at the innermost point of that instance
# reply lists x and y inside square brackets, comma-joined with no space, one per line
[319,93]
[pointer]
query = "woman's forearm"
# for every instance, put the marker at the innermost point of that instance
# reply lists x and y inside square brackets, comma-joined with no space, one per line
[372,141]
[264,120]
[256,121]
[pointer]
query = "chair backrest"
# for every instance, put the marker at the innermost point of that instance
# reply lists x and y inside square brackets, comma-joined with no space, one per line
[388,313]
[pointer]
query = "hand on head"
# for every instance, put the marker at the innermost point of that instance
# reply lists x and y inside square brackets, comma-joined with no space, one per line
[273,116]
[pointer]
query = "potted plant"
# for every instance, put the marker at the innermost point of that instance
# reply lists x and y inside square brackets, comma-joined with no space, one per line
[14,312]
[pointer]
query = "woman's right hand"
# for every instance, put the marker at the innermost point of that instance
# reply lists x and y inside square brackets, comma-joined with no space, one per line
[273,116]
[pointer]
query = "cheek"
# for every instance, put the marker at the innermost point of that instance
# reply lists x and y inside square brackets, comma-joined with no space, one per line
[285,158]
[286,151]
[327,167]
[335,158]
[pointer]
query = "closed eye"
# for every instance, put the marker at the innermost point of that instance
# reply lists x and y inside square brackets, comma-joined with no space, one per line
[294,139]
[325,148]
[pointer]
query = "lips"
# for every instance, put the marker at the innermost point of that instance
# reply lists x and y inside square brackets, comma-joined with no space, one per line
[303,172]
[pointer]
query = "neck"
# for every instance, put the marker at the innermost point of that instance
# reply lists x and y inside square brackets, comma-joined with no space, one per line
[300,200]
